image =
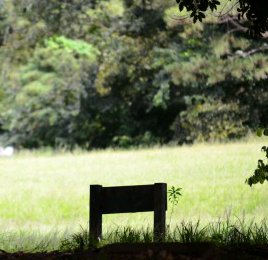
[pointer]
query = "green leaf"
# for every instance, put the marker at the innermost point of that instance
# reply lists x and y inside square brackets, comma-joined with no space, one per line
[193,14]
[202,15]
[265,132]
[181,6]
[216,2]
[259,132]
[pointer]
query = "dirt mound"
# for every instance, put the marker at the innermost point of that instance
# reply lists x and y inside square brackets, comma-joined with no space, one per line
[154,251]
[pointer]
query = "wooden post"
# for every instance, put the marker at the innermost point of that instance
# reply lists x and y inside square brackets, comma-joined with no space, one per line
[160,205]
[95,220]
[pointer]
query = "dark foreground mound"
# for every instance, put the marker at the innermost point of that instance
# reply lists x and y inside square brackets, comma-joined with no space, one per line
[154,251]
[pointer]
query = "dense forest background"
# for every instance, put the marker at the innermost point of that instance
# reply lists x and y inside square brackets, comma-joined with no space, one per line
[121,73]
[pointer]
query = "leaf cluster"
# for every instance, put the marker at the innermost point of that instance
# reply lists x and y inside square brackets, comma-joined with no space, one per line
[197,8]
[261,173]
[174,194]
[253,11]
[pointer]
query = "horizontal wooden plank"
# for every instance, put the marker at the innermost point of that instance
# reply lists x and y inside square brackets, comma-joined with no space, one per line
[123,199]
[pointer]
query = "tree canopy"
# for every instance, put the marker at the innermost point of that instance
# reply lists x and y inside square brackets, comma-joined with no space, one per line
[122,73]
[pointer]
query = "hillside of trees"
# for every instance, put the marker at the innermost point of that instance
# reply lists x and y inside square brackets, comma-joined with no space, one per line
[121,73]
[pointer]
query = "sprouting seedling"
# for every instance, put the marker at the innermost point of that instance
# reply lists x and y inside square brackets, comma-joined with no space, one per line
[173,196]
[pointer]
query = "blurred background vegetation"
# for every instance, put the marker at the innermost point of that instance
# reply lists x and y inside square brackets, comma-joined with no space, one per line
[123,73]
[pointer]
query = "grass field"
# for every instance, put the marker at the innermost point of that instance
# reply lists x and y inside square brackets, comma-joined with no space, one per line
[45,193]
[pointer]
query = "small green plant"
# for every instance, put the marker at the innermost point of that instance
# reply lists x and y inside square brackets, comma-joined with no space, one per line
[173,196]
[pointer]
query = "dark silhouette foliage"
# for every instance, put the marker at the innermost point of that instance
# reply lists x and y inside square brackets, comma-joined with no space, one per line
[254,11]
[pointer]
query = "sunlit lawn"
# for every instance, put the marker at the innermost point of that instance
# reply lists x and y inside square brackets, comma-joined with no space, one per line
[43,192]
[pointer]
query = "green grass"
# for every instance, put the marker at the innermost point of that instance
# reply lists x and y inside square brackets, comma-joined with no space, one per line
[46,193]
[223,232]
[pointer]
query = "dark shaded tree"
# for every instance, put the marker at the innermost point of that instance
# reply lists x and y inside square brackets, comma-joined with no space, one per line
[152,80]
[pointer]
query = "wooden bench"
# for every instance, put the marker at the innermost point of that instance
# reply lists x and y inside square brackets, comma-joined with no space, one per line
[125,199]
